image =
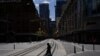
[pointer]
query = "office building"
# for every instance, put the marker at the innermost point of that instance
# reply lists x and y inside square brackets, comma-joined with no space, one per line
[44,15]
[18,17]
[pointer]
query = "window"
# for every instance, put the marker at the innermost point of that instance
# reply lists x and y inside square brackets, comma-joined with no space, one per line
[96,6]
[91,23]
[92,7]
[10,0]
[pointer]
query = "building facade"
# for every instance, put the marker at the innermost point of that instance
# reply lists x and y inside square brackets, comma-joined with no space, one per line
[80,21]
[18,17]
[52,28]
[59,10]
[59,5]
[44,15]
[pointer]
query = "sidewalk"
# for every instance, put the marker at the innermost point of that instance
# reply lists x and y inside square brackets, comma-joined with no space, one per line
[60,50]
[87,53]
[81,49]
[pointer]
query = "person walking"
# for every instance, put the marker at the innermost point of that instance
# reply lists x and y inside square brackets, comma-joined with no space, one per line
[48,52]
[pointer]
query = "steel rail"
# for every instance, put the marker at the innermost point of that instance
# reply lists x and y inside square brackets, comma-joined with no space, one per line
[53,46]
[28,50]
[33,48]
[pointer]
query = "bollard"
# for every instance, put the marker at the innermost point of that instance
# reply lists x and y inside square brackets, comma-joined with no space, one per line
[14,46]
[82,47]
[74,49]
[93,47]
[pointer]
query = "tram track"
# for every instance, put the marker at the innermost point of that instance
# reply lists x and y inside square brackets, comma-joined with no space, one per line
[33,48]
[28,50]
[52,46]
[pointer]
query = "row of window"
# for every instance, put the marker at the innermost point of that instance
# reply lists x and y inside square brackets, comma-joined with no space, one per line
[10,0]
[92,7]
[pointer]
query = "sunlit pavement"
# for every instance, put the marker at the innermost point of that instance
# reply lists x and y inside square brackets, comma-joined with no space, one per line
[8,48]
[34,48]
[59,48]
[75,49]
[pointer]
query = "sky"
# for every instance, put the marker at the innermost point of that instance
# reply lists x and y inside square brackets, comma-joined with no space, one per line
[51,7]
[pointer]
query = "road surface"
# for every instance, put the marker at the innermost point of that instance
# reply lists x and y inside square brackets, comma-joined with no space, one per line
[58,48]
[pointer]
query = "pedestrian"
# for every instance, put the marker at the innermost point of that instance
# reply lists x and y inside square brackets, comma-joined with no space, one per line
[48,52]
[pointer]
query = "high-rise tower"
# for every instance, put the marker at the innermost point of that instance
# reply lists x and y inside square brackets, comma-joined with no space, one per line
[44,15]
